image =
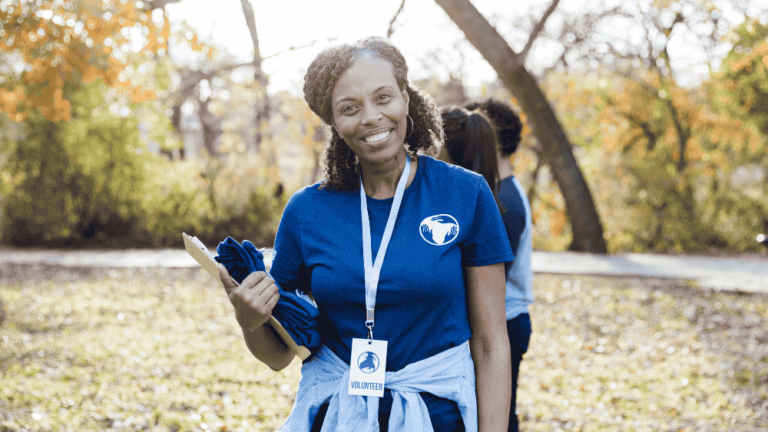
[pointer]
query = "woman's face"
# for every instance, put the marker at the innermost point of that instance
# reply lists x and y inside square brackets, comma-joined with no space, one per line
[369,110]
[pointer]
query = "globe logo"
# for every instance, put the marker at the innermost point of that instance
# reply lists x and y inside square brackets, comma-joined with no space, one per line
[439,229]
[368,362]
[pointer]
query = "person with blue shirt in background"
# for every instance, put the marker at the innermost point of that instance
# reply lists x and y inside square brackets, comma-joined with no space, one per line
[482,138]
[437,282]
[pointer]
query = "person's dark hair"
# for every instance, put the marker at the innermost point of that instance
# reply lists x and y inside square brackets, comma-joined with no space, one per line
[471,142]
[341,169]
[504,119]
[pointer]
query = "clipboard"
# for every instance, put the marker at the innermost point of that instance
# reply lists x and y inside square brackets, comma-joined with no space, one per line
[197,250]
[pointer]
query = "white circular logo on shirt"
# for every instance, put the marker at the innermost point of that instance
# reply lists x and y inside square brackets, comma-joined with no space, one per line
[439,229]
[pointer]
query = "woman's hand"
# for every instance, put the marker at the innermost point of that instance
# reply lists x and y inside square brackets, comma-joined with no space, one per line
[253,299]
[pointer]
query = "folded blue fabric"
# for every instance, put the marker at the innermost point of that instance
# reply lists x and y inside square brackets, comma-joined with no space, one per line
[297,316]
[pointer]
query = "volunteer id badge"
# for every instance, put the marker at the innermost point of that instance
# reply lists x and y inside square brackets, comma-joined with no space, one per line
[367,367]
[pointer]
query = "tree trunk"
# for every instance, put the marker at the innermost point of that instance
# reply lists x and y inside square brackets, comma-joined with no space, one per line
[211,129]
[556,149]
[534,179]
[262,105]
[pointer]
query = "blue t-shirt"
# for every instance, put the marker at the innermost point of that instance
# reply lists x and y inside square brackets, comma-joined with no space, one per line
[448,219]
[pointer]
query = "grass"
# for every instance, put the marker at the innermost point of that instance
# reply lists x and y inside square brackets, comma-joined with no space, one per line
[159,349]
[644,355]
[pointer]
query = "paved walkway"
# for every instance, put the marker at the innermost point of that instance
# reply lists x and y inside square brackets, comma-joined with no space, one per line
[749,273]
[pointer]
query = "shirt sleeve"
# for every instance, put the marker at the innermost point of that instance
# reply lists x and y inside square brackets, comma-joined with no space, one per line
[487,242]
[289,269]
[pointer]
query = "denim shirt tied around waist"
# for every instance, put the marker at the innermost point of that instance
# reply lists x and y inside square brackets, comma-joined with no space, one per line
[325,378]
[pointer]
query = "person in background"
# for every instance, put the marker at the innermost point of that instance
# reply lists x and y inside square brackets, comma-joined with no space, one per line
[482,138]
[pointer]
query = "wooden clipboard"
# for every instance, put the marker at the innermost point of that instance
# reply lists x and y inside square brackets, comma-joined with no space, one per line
[197,250]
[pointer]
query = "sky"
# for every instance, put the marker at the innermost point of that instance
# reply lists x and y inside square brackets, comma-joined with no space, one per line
[285,23]
[422,28]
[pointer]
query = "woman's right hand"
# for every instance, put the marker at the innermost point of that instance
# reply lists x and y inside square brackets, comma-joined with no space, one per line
[253,299]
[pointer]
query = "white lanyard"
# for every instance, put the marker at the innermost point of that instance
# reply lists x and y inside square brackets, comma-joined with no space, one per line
[373,270]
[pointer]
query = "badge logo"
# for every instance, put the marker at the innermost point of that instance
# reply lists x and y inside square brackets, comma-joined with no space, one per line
[368,362]
[439,229]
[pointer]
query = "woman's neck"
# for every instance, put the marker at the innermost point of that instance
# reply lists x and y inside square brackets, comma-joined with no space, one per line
[505,166]
[380,180]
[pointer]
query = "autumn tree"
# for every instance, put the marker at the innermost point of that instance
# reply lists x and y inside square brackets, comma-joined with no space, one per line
[77,180]
[740,84]
[78,166]
[714,199]
[556,147]
[62,41]
[673,142]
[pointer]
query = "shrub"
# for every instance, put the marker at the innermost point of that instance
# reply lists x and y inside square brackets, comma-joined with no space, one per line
[70,183]
[91,182]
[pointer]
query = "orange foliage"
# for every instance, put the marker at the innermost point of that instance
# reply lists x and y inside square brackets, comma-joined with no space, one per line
[557,222]
[9,103]
[523,117]
[521,162]
[70,40]
[140,95]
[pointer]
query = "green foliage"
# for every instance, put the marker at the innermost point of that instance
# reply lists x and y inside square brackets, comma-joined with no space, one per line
[91,182]
[211,200]
[665,163]
[741,86]
[73,181]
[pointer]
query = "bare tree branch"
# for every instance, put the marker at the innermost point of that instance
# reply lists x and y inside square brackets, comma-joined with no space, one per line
[560,60]
[250,20]
[158,4]
[391,28]
[191,77]
[291,48]
[652,91]
[683,134]
[683,131]
[580,39]
[540,162]
[647,128]
[650,58]
[537,29]
[262,103]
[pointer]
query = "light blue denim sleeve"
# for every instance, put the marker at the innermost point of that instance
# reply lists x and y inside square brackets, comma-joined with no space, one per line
[519,277]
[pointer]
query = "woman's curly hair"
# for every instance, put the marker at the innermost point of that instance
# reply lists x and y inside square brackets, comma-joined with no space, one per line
[505,120]
[341,165]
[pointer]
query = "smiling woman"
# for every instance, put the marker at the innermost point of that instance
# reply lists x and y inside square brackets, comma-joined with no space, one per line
[336,81]
[439,291]
[370,112]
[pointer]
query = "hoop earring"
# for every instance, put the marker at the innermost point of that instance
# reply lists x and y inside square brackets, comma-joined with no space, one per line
[413,126]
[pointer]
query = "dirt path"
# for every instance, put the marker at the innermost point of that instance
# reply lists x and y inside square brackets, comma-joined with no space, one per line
[746,273]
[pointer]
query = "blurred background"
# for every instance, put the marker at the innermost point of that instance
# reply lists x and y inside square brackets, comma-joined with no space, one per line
[124,123]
